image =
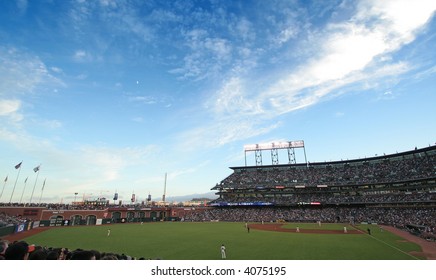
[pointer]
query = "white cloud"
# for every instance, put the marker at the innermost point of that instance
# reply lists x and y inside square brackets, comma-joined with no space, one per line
[348,50]
[231,99]
[149,100]
[426,73]
[111,161]
[287,34]
[184,171]
[400,19]
[353,53]
[91,167]
[82,76]
[163,16]
[224,131]
[220,48]
[244,30]
[138,119]
[9,107]
[56,69]
[81,56]
[108,3]
[51,124]
[22,73]
[207,55]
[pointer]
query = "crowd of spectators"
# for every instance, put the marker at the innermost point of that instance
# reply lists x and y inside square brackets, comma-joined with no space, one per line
[21,250]
[375,190]
[407,178]
[56,206]
[89,205]
[298,198]
[7,220]
[393,216]
[395,169]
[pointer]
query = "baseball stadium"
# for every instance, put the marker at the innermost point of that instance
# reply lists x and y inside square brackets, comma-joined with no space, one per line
[375,208]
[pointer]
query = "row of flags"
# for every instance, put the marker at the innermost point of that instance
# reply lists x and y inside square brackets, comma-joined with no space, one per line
[36,169]
[18,167]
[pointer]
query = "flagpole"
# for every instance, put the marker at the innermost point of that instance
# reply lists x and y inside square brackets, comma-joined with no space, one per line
[4,185]
[25,183]
[42,190]
[34,188]
[165,189]
[36,169]
[18,166]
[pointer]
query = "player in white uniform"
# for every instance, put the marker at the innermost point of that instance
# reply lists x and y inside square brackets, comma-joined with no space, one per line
[223,252]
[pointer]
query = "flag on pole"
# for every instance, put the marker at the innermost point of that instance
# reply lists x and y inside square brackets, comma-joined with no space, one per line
[18,165]
[36,169]
[25,181]
[6,179]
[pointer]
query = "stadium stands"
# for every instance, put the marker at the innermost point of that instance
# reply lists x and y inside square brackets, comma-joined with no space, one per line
[397,189]
[403,178]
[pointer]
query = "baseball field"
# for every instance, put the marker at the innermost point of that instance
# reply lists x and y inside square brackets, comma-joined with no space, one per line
[202,241]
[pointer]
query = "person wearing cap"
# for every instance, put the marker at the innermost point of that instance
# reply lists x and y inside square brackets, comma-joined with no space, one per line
[18,251]
[38,254]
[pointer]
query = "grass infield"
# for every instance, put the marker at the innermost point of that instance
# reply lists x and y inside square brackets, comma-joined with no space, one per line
[202,241]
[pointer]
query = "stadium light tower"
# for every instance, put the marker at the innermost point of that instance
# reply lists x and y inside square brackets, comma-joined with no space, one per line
[165,189]
[273,147]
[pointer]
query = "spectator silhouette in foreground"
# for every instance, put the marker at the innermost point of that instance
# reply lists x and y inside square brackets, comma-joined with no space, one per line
[83,255]
[18,251]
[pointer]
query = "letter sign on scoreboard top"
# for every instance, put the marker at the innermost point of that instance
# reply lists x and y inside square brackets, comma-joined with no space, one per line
[274,145]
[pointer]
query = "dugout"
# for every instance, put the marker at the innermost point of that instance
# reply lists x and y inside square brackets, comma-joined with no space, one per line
[415,229]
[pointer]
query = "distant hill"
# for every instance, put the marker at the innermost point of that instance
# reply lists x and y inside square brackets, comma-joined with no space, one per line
[210,195]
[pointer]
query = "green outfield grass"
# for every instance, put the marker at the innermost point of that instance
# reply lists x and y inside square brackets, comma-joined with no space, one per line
[202,241]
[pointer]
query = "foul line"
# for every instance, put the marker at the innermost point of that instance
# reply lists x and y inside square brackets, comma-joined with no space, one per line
[398,249]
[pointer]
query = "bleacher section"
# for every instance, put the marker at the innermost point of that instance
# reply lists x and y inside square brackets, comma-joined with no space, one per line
[397,190]
[403,178]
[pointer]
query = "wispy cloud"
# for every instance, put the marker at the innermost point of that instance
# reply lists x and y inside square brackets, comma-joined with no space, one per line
[343,54]
[9,107]
[223,131]
[80,55]
[206,56]
[22,73]
[185,171]
[149,100]
[156,99]
[232,99]
[347,50]
[82,168]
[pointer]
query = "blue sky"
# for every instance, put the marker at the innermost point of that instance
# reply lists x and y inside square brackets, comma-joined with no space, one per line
[111,95]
